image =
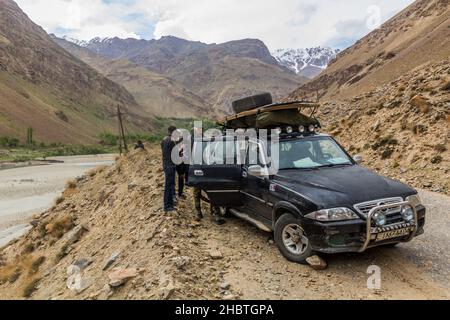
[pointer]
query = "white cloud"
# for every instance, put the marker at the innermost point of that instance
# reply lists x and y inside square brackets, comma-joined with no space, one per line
[280,24]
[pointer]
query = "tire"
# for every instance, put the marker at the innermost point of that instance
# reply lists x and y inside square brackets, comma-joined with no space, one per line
[286,226]
[252,102]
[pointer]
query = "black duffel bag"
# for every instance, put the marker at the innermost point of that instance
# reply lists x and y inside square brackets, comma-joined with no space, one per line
[253,102]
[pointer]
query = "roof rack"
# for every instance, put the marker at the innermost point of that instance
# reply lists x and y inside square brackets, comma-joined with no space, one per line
[273,107]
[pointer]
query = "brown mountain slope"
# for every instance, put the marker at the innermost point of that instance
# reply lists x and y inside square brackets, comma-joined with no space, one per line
[44,87]
[156,93]
[388,97]
[218,73]
[402,128]
[222,80]
[415,36]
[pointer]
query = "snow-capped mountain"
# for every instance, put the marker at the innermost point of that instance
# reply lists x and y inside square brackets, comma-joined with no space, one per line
[307,62]
[80,43]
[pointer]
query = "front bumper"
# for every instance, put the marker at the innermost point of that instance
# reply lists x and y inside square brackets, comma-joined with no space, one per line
[355,236]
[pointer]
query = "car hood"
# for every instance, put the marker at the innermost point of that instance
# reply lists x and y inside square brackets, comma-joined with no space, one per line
[341,186]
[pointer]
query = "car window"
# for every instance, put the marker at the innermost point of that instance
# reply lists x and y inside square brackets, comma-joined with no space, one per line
[217,152]
[305,154]
[255,155]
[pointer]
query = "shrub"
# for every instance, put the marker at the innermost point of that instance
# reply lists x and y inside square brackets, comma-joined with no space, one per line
[387,153]
[440,147]
[436,159]
[9,142]
[60,226]
[446,86]
[30,287]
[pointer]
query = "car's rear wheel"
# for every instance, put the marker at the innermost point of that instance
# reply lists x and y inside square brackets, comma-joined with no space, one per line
[291,239]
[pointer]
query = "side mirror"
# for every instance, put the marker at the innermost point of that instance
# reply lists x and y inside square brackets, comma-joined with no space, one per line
[358,158]
[256,171]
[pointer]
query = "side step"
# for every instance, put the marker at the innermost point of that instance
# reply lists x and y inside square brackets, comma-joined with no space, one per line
[253,221]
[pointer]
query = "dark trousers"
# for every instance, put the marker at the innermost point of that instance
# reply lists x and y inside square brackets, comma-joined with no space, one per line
[169,188]
[181,183]
[182,172]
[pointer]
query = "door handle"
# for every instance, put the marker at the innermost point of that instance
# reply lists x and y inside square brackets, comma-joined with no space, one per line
[199,173]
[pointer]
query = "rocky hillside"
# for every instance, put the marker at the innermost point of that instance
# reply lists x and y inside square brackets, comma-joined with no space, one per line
[112,237]
[308,62]
[46,88]
[416,36]
[157,94]
[108,238]
[402,128]
[218,73]
[388,98]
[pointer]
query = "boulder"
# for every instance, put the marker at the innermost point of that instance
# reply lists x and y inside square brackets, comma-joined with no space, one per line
[215,254]
[317,263]
[120,276]
[111,260]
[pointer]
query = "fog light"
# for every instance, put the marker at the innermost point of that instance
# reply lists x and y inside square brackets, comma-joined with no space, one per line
[408,214]
[289,130]
[312,128]
[301,129]
[379,218]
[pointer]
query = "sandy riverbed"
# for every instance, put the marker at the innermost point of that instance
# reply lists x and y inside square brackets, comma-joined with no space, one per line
[30,190]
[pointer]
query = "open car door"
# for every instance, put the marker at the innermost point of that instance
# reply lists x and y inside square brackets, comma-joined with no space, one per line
[215,171]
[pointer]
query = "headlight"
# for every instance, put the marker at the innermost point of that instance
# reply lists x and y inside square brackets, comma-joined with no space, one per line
[312,128]
[407,213]
[379,218]
[301,129]
[289,129]
[414,200]
[336,214]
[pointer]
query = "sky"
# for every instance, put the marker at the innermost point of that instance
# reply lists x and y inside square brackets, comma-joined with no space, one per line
[280,23]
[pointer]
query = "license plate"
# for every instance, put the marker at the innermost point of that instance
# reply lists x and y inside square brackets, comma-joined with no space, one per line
[394,234]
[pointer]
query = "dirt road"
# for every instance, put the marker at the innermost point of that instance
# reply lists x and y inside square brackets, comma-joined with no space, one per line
[29,190]
[416,270]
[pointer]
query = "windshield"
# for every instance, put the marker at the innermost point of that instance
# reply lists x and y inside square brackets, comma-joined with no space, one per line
[310,154]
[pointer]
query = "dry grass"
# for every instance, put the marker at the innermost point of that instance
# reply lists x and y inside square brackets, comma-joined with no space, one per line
[440,147]
[60,226]
[446,86]
[7,272]
[93,172]
[59,200]
[72,184]
[30,287]
[36,263]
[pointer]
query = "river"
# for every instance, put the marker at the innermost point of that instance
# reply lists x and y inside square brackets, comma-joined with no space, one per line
[29,190]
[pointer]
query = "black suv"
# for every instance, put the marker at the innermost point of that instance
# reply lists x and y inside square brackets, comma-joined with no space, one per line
[321,199]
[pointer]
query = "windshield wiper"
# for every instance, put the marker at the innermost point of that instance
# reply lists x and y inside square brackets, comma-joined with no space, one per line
[331,165]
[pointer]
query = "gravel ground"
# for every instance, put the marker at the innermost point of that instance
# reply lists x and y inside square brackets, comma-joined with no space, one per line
[415,270]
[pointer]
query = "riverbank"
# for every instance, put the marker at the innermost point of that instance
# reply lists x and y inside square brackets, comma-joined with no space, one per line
[27,190]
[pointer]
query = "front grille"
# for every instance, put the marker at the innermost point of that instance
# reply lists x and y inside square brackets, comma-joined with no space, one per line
[392,214]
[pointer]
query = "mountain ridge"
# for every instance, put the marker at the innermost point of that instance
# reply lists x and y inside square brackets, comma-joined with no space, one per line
[50,90]
[218,73]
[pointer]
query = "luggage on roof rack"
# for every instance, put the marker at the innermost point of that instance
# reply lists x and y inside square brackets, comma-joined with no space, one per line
[252,102]
[274,115]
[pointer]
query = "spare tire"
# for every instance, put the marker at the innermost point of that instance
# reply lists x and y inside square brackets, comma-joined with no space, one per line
[252,102]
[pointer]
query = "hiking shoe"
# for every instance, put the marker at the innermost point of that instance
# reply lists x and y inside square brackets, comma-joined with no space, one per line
[219,221]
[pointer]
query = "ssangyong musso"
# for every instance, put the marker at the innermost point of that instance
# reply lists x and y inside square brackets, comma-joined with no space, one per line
[320,200]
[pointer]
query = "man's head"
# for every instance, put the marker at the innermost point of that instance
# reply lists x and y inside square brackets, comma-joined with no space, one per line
[171,130]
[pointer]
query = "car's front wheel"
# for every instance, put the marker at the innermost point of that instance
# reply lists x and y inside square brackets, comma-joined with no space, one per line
[291,239]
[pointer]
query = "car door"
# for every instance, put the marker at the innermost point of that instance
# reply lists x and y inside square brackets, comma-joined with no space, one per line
[214,170]
[255,186]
